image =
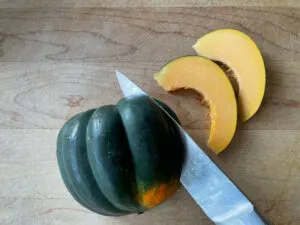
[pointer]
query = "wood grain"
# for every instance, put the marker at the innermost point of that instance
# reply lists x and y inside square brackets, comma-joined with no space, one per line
[145,3]
[44,95]
[118,35]
[56,62]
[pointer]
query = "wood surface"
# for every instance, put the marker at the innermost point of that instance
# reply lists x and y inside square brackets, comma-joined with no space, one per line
[56,62]
[146,3]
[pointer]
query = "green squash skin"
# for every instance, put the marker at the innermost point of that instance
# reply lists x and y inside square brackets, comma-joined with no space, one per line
[105,162]
[170,112]
[156,153]
[62,161]
[110,158]
[75,169]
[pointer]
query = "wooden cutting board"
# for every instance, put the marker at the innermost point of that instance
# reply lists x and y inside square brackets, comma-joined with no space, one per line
[56,62]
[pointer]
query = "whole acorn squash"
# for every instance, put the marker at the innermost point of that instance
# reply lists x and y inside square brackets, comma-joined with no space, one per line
[121,159]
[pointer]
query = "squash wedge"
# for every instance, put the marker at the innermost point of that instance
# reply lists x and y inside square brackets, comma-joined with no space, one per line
[207,78]
[239,52]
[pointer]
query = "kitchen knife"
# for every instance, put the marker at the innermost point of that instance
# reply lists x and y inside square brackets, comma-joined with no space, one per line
[212,190]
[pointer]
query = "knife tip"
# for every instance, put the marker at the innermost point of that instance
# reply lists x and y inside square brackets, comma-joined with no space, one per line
[118,74]
[120,77]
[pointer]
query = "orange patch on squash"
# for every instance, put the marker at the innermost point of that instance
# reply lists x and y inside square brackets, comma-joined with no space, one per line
[157,194]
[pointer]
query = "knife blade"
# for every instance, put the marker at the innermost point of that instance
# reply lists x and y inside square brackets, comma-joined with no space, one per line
[213,191]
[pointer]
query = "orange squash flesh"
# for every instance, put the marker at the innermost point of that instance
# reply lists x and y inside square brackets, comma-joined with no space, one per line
[207,78]
[157,194]
[239,52]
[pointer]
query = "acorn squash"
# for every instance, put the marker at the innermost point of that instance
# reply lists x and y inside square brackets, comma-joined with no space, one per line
[121,159]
